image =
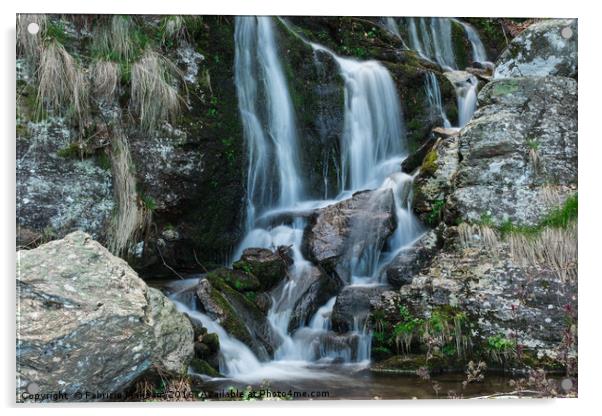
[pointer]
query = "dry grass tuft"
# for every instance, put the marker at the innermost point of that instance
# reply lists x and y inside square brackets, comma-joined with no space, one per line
[155,96]
[483,234]
[29,45]
[174,27]
[61,82]
[131,218]
[553,249]
[105,76]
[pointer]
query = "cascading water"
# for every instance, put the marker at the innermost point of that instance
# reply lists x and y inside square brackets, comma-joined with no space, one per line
[371,149]
[431,38]
[433,95]
[268,119]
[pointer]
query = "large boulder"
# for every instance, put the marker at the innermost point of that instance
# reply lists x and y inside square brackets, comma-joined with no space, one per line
[86,321]
[338,234]
[520,145]
[548,47]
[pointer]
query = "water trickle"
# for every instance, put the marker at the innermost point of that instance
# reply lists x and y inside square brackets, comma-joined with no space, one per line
[433,95]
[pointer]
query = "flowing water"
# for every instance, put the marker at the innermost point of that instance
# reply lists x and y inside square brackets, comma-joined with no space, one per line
[372,145]
[431,38]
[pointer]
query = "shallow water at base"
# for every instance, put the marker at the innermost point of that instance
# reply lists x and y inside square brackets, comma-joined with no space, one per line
[351,382]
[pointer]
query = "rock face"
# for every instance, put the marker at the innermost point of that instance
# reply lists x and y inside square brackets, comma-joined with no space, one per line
[57,192]
[339,233]
[320,289]
[548,47]
[435,180]
[87,322]
[522,137]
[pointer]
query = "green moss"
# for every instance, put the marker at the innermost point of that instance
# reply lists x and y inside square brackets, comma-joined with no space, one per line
[461,45]
[239,280]
[202,367]
[429,164]
[560,217]
[72,151]
[434,217]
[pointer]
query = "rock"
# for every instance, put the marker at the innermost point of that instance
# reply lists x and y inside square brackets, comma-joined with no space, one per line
[499,297]
[236,279]
[435,180]
[200,366]
[57,191]
[522,139]
[212,341]
[270,267]
[548,47]
[238,315]
[446,132]
[320,288]
[410,261]
[87,321]
[338,234]
[263,301]
[414,160]
[353,305]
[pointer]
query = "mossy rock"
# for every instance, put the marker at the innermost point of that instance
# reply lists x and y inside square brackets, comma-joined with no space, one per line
[212,342]
[236,279]
[202,367]
[268,266]
[429,164]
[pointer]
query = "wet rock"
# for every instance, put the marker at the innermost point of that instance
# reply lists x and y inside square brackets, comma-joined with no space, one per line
[414,160]
[320,289]
[548,47]
[263,301]
[410,261]
[200,366]
[338,233]
[270,267]
[353,306]
[238,315]
[88,322]
[521,140]
[236,279]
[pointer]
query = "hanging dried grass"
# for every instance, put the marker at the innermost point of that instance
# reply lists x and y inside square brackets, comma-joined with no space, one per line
[155,96]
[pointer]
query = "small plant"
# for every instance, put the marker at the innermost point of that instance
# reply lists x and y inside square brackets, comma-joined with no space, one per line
[500,348]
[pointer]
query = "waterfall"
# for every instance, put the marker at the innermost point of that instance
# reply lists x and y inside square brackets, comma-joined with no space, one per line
[268,119]
[372,146]
[433,95]
[373,129]
[478,50]
[431,38]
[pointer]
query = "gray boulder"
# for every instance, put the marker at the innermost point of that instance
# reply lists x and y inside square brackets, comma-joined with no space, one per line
[320,288]
[353,306]
[349,230]
[548,47]
[86,321]
[410,261]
